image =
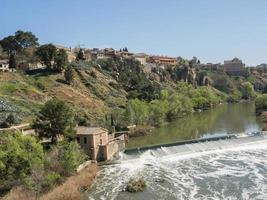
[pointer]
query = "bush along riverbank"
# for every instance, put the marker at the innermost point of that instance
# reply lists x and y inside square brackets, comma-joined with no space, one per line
[71,189]
[170,105]
[261,109]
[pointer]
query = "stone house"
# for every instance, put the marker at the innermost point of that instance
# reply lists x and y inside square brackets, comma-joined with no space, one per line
[141,57]
[70,52]
[234,67]
[98,144]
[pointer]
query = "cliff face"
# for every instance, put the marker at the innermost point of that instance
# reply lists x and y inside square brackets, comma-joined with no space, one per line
[178,73]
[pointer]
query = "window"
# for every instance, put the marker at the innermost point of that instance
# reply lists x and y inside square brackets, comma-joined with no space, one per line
[85,140]
[78,139]
[100,141]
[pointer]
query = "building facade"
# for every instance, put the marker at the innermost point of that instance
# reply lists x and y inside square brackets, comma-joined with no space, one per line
[98,144]
[141,57]
[234,67]
[163,60]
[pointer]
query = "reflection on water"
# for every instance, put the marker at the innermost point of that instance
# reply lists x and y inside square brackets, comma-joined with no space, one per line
[226,118]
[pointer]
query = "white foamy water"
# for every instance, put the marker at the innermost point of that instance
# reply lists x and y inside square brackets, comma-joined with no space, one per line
[225,169]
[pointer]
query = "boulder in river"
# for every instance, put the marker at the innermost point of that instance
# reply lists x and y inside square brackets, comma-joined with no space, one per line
[136,185]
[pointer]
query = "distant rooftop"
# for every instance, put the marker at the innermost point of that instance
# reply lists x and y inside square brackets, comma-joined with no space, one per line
[82,130]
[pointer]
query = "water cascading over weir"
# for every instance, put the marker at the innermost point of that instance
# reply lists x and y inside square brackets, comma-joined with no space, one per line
[232,167]
[194,146]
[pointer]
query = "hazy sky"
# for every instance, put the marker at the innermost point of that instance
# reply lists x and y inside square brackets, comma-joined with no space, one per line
[212,30]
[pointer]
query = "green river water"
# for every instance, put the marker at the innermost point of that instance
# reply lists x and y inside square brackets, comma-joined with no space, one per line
[225,118]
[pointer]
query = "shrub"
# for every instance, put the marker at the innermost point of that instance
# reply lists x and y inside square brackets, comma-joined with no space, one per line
[51,179]
[137,111]
[247,90]
[65,157]
[158,111]
[234,97]
[69,74]
[19,155]
[261,103]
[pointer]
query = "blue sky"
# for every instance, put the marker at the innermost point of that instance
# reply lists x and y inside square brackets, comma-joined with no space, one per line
[212,30]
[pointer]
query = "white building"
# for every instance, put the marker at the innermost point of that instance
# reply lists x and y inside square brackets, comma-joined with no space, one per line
[4,66]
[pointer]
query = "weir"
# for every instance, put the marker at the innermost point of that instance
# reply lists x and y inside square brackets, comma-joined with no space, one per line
[193,141]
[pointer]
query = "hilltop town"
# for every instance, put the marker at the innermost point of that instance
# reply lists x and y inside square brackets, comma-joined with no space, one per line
[233,67]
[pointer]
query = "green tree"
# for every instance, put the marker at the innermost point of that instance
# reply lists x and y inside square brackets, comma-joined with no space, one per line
[247,90]
[69,74]
[234,96]
[261,103]
[80,55]
[137,111]
[55,118]
[3,54]
[19,42]
[158,111]
[46,53]
[18,156]
[65,157]
[26,39]
[223,83]
[73,156]
[204,97]
[10,44]
[12,61]
[61,60]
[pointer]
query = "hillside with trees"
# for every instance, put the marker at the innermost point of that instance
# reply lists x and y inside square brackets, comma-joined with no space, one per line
[111,91]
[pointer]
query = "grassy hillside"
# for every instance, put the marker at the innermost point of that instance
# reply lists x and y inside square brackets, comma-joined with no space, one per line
[102,86]
[91,94]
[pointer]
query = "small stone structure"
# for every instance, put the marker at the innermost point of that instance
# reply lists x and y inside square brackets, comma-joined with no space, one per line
[234,67]
[98,144]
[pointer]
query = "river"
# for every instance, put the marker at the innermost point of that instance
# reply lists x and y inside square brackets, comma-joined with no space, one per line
[225,169]
[225,118]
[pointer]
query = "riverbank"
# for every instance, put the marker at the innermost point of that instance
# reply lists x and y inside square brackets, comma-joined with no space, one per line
[220,120]
[263,117]
[71,189]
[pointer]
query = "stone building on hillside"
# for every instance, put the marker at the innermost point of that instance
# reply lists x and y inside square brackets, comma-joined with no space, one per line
[70,52]
[234,67]
[98,144]
[124,54]
[163,60]
[141,57]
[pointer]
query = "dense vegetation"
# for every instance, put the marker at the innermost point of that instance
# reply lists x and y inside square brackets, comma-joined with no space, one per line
[23,161]
[261,103]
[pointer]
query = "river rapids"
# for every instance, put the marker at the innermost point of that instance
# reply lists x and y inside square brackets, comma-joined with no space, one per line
[234,169]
